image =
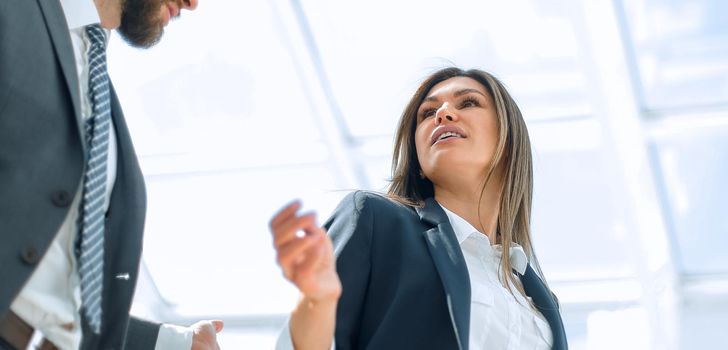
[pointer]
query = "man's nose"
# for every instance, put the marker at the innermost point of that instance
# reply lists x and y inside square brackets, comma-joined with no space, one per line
[190,5]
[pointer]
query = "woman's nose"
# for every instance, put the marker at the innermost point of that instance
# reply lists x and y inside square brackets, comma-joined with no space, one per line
[444,112]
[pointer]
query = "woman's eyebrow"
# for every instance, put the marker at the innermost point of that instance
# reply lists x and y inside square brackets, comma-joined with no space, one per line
[429,99]
[456,94]
[468,91]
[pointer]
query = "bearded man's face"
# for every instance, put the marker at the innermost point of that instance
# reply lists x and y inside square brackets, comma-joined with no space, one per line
[143,21]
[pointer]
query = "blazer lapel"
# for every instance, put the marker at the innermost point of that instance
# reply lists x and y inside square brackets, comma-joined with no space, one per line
[55,21]
[545,302]
[448,258]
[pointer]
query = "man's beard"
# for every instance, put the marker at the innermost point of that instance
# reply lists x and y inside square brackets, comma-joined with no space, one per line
[140,23]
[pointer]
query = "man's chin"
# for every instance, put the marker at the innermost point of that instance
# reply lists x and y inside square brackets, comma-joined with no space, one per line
[141,25]
[142,39]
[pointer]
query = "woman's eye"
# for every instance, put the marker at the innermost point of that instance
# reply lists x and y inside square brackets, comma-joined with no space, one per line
[428,113]
[469,103]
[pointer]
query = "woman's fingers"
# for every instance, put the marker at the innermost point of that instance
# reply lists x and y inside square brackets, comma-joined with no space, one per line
[285,213]
[286,230]
[315,255]
[314,229]
[315,276]
[293,252]
[306,260]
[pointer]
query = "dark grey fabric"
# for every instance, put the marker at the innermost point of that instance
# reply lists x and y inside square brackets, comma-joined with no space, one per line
[546,303]
[142,334]
[41,163]
[5,346]
[405,282]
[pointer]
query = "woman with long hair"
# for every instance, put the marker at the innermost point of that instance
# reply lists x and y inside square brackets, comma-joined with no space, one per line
[445,259]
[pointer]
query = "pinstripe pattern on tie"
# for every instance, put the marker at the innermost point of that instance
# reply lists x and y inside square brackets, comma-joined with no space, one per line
[91,258]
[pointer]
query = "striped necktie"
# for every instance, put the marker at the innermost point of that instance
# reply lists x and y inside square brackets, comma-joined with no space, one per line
[91,259]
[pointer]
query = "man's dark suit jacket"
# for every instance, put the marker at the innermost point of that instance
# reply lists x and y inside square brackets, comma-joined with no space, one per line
[405,282]
[42,164]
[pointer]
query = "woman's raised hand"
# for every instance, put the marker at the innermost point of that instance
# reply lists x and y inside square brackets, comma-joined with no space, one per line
[306,259]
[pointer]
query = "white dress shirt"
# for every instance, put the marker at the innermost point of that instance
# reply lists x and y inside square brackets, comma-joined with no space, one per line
[498,319]
[51,300]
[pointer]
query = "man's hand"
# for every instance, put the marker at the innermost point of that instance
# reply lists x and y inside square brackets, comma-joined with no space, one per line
[205,335]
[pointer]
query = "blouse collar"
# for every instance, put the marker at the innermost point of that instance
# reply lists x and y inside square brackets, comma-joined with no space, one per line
[463,230]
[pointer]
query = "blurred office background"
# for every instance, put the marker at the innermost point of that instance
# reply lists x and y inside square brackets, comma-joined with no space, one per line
[246,105]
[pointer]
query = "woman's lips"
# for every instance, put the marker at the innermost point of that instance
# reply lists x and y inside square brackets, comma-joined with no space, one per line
[443,129]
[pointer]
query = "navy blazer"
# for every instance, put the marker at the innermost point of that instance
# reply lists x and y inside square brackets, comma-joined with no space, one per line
[42,159]
[405,282]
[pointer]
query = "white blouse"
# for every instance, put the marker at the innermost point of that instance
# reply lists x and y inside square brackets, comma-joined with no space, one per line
[498,319]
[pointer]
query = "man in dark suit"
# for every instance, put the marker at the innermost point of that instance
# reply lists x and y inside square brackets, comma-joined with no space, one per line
[72,197]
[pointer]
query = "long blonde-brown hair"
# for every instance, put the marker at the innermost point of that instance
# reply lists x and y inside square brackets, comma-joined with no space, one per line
[513,154]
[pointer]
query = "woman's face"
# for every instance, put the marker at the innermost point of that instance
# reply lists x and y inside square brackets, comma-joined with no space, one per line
[457,130]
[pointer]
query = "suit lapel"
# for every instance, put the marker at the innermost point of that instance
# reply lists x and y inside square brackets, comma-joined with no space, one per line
[544,300]
[450,264]
[55,21]
[128,173]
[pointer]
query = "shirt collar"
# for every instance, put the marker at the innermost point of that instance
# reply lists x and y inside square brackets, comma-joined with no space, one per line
[79,13]
[462,228]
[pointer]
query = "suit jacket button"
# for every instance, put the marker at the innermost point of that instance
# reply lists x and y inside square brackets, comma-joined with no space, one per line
[61,199]
[30,255]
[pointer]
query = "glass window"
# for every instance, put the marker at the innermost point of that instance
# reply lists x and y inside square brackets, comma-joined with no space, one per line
[376,52]
[207,244]
[578,229]
[692,166]
[226,135]
[206,90]
[681,51]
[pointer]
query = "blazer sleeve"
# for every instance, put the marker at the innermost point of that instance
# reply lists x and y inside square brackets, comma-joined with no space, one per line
[141,334]
[351,228]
